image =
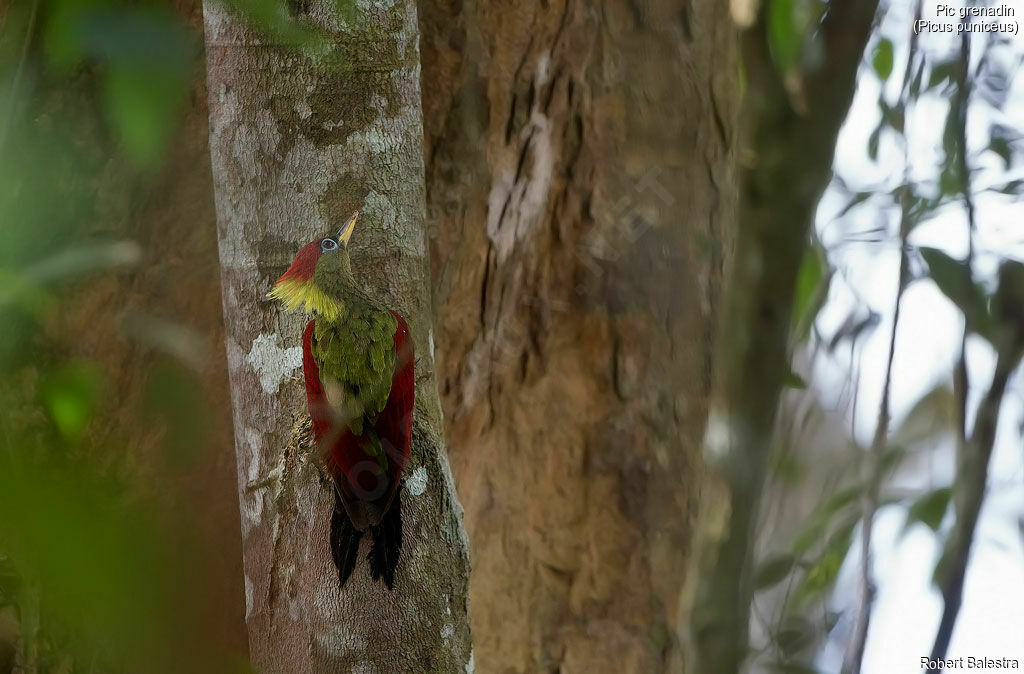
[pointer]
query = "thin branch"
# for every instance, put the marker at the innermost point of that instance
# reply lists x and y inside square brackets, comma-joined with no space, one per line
[973,453]
[874,459]
[961,383]
[971,494]
[875,464]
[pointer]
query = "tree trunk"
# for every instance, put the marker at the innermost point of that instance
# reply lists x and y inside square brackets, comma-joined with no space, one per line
[791,142]
[297,144]
[581,193]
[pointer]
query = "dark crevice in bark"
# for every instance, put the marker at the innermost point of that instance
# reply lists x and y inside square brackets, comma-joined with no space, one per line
[510,124]
[524,152]
[686,20]
[484,284]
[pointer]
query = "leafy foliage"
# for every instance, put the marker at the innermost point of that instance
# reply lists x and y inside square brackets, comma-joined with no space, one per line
[930,509]
[90,557]
[799,577]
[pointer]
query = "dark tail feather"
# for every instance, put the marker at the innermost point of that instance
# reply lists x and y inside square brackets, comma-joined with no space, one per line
[387,544]
[344,540]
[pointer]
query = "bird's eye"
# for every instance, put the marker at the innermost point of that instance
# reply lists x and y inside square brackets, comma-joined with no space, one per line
[328,245]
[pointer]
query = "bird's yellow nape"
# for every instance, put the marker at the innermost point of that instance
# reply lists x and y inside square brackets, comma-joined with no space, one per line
[293,292]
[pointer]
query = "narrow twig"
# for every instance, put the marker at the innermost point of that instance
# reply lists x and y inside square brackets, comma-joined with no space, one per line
[973,452]
[873,479]
[875,464]
[971,493]
[961,382]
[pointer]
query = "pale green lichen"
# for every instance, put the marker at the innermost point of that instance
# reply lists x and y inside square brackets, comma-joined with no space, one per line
[271,363]
[416,483]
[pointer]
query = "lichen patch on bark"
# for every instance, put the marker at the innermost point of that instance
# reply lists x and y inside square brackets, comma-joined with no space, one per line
[416,483]
[272,364]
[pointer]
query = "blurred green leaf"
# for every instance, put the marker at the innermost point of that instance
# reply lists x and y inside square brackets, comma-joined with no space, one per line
[816,527]
[71,396]
[811,282]
[929,509]
[793,380]
[786,466]
[892,456]
[943,73]
[821,574]
[949,181]
[881,59]
[1001,147]
[143,107]
[1008,304]
[946,272]
[62,30]
[94,555]
[145,39]
[954,280]
[145,56]
[18,290]
[772,571]
[1001,141]
[784,37]
[794,635]
[892,115]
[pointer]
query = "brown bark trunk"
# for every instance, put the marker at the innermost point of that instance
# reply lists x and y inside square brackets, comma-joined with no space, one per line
[297,144]
[581,194]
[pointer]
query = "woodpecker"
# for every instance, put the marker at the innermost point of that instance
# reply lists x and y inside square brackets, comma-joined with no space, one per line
[358,365]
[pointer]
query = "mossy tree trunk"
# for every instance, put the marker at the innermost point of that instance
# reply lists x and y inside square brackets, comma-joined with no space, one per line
[297,144]
[581,192]
[790,142]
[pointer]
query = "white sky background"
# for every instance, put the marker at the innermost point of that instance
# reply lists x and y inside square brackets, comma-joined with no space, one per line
[907,609]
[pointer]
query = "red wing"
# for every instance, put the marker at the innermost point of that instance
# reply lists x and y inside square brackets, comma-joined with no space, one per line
[315,398]
[394,423]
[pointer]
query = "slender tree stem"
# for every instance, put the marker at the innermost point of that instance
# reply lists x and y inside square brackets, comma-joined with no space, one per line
[873,478]
[967,451]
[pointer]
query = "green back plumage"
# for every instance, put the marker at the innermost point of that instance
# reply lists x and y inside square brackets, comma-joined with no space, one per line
[356,348]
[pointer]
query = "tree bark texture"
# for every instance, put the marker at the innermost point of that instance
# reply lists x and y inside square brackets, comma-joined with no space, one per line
[581,195]
[297,143]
